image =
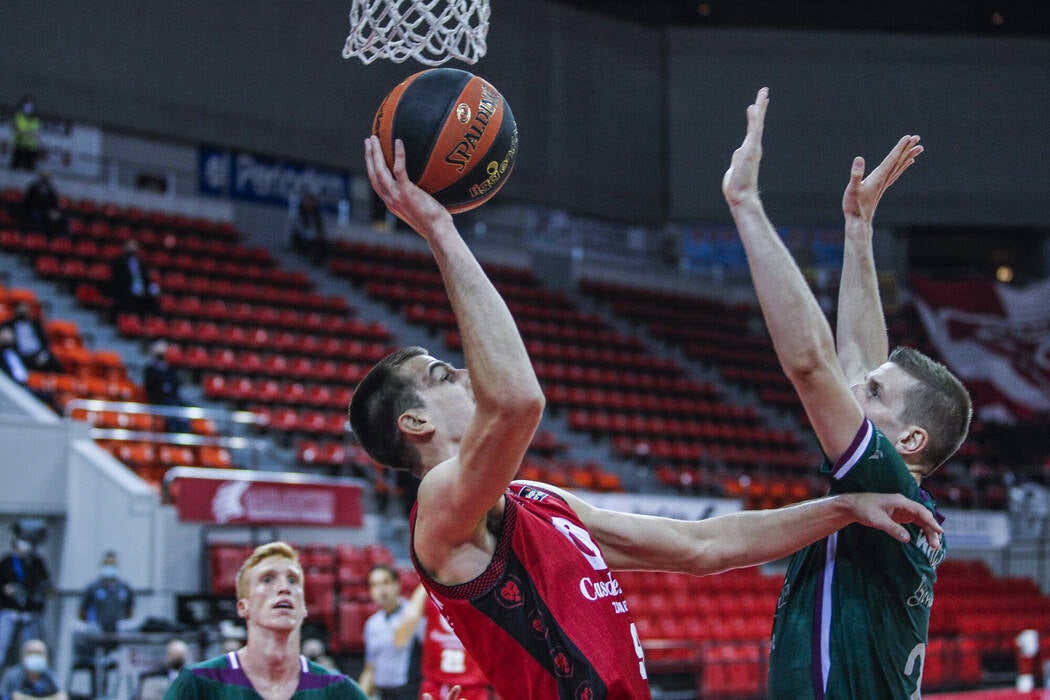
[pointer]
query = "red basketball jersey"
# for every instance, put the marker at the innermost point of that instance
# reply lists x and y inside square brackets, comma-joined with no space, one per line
[547,618]
[445,661]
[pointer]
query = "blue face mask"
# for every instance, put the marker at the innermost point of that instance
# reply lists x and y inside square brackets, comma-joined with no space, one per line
[35,663]
[108,571]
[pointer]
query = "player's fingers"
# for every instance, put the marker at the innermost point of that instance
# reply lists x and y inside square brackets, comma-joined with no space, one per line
[756,114]
[930,527]
[856,172]
[370,166]
[399,160]
[906,161]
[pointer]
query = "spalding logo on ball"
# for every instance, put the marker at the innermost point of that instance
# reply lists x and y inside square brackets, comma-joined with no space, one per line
[459,134]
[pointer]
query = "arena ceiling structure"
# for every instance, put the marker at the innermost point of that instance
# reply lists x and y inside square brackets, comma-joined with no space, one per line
[970,17]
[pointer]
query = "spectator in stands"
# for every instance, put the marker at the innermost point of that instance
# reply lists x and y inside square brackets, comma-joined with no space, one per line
[271,601]
[133,288]
[307,229]
[32,678]
[107,600]
[524,572]
[25,584]
[155,682]
[11,361]
[31,340]
[313,649]
[40,207]
[25,129]
[883,423]
[393,638]
[163,385]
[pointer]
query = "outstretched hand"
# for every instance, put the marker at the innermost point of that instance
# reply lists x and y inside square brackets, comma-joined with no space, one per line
[863,193]
[741,180]
[452,694]
[888,511]
[401,196]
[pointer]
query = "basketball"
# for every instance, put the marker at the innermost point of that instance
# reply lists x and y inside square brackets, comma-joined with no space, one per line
[459,134]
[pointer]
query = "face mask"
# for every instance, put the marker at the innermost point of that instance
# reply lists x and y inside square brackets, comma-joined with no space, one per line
[23,546]
[176,664]
[108,571]
[35,663]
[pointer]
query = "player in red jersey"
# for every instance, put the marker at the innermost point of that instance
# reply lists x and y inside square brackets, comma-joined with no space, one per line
[447,664]
[525,575]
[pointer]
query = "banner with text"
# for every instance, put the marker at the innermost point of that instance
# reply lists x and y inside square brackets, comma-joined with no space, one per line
[252,177]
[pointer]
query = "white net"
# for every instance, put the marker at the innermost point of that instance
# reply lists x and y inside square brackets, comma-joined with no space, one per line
[430,31]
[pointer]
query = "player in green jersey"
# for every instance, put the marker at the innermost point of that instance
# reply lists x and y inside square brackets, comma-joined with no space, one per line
[270,598]
[853,616]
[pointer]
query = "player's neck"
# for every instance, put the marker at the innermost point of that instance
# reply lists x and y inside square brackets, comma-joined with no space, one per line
[271,655]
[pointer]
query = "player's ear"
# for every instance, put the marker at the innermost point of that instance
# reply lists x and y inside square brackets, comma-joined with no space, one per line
[415,424]
[242,608]
[912,440]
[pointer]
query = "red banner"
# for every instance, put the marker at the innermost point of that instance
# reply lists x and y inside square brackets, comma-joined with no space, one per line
[264,498]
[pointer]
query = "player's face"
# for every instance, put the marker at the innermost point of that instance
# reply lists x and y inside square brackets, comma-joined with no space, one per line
[446,392]
[275,594]
[882,397]
[384,589]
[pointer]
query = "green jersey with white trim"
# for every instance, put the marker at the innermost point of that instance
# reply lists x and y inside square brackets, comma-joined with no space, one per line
[223,678]
[853,616]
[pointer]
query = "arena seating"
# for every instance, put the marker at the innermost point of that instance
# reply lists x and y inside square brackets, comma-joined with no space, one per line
[655,413]
[718,627]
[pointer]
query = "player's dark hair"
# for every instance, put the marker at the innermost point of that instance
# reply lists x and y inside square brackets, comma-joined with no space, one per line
[383,395]
[394,576]
[937,402]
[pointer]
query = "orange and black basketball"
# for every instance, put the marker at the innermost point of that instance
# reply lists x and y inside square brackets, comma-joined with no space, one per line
[459,134]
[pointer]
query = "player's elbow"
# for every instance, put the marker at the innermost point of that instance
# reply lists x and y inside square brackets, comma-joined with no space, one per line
[813,361]
[526,407]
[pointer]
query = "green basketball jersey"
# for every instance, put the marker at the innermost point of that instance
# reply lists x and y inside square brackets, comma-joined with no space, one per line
[853,615]
[223,678]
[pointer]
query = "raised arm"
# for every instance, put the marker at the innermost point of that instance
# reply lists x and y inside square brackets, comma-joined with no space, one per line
[745,538]
[456,495]
[415,608]
[861,326]
[800,332]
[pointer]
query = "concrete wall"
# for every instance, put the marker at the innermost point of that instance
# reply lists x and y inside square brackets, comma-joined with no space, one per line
[974,101]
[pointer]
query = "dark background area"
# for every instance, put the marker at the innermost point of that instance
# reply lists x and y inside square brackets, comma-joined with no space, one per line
[981,17]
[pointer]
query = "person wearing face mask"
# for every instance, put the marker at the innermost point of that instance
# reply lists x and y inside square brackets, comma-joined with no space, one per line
[105,602]
[132,285]
[313,649]
[24,585]
[41,208]
[25,126]
[163,384]
[154,683]
[32,678]
[107,599]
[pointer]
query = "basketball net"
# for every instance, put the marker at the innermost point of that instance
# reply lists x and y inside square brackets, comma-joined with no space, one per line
[430,31]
